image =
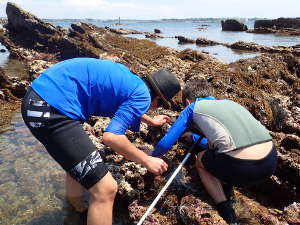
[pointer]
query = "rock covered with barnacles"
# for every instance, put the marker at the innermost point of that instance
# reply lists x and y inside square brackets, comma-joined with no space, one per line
[194,211]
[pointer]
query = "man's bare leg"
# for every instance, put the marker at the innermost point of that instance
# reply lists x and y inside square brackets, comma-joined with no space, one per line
[102,200]
[74,193]
[212,184]
[215,190]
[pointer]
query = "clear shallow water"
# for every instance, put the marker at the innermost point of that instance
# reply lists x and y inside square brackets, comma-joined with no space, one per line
[31,183]
[3,55]
[12,67]
[212,30]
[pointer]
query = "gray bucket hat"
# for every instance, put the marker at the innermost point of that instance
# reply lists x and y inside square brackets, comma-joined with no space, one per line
[165,84]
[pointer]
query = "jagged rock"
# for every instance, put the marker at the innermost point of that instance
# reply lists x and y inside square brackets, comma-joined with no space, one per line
[195,211]
[249,46]
[78,28]
[192,55]
[292,214]
[152,36]
[19,88]
[4,80]
[293,64]
[137,211]
[123,31]
[262,31]
[284,26]
[233,25]
[184,40]
[157,31]
[254,213]
[281,31]
[36,67]
[19,19]
[278,23]
[133,174]
[204,41]
[291,141]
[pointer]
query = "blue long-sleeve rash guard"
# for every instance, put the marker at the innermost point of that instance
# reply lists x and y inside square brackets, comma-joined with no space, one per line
[181,124]
[82,87]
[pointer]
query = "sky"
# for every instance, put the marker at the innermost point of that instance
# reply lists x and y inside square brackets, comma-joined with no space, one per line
[156,9]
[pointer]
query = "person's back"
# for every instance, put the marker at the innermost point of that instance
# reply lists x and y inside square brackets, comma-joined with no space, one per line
[227,125]
[238,149]
[82,87]
[67,94]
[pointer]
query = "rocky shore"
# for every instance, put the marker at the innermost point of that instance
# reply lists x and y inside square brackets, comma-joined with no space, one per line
[241,45]
[283,26]
[268,85]
[280,26]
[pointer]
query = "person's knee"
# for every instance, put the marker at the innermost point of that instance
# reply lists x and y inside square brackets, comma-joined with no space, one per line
[105,190]
[199,164]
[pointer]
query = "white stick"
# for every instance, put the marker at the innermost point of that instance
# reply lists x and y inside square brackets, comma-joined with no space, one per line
[164,188]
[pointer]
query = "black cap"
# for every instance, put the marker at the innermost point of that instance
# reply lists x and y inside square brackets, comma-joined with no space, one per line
[165,84]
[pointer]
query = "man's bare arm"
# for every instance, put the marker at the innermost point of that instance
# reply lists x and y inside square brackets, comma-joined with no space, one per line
[121,145]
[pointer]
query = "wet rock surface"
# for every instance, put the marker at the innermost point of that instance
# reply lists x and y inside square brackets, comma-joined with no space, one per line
[152,35]
[204,41]
[185,40]
[267,85]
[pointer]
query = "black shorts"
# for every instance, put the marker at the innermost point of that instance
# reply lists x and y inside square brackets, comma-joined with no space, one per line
[64,139]
[239,172]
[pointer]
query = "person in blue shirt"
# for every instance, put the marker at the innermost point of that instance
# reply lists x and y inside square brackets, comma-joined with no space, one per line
[238,149]
[69,93]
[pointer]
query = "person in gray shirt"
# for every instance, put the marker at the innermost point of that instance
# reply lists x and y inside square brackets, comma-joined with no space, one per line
[238,149]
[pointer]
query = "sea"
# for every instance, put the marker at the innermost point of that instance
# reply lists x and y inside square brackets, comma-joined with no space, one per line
[209,28]
[31,183]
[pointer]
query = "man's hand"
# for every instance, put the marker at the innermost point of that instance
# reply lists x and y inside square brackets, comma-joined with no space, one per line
[187,136]
[160,120]
[156,165]
[156,121]
[121,145]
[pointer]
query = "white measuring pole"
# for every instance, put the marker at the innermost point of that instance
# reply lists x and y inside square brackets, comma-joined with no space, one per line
[168,183]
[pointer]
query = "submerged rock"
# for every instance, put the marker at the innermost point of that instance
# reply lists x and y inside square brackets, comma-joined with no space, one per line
[204,41]
[152,36]
[185,40]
